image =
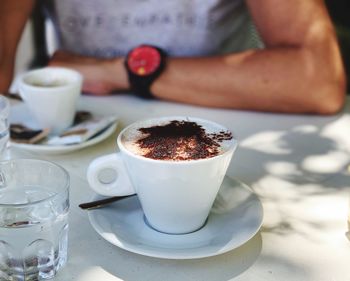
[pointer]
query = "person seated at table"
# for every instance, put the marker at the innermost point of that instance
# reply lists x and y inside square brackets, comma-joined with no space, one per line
[205,52]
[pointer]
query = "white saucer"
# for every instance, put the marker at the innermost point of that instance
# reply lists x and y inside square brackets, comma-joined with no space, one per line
[20,114]
[235,218]
[60,149]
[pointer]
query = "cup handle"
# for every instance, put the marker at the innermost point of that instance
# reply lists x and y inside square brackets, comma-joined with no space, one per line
[20,82]
[120,185]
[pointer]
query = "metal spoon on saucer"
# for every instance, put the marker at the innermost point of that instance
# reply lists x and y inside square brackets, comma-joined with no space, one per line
[103,202]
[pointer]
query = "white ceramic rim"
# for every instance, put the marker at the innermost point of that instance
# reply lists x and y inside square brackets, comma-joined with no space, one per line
[184,253]
[22,83]
[57,149]
[65,187]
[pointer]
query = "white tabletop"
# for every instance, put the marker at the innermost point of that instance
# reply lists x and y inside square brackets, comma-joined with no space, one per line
[296,164]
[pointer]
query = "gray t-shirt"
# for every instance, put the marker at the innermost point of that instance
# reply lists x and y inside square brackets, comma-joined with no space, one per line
[110,28]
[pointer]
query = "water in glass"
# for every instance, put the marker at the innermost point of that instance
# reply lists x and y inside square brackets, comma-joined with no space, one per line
[33,231]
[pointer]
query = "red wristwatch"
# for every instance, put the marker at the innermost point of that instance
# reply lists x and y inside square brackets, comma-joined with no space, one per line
[144,64]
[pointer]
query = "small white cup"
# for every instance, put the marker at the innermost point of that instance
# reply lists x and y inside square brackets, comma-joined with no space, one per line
[176,196]
[51,94]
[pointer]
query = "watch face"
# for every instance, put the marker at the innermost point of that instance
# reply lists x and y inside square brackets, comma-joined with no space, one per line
[144,60]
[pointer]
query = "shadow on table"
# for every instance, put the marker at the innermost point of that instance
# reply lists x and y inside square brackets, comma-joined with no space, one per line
[301,164]
[300,156]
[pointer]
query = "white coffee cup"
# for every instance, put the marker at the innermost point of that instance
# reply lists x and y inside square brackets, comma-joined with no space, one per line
[51,94]
[176,196]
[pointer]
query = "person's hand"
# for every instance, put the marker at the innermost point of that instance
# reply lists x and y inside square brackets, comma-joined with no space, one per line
[101,76]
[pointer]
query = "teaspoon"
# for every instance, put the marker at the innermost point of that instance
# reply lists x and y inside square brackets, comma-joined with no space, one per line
[103,202]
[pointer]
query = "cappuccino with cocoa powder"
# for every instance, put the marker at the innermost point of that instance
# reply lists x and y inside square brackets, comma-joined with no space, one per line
[177,140]
[175,164]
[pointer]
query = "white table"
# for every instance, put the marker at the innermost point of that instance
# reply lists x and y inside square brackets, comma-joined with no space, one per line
[297,164]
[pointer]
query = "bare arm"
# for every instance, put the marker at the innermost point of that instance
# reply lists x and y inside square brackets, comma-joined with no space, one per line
[299,71]
[13,16]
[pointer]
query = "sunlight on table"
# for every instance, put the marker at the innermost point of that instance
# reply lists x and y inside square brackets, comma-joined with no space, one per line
[97,273]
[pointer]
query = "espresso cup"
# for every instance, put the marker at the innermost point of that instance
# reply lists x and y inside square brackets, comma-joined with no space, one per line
[51,94]
[176,195]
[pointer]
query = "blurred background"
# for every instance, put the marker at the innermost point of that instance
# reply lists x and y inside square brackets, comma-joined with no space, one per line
[39,31]
[340,16]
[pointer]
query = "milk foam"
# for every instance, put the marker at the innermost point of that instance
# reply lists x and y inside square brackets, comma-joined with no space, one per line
[132,135]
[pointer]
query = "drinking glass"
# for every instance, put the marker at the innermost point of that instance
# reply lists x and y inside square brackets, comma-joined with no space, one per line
[34,204]
[4,126]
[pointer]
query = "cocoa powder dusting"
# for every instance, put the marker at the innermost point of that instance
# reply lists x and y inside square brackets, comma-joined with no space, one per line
[181,140]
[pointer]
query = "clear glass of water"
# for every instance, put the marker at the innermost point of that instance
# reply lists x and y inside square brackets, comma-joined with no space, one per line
[34,204]
[4,126]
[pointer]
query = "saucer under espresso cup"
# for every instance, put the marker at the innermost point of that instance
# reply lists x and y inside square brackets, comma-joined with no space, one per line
[236,216]
[176,191]
[51,94]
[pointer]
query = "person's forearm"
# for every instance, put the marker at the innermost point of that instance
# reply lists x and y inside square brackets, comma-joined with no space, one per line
[299,71]
[286,79]
[13,16]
